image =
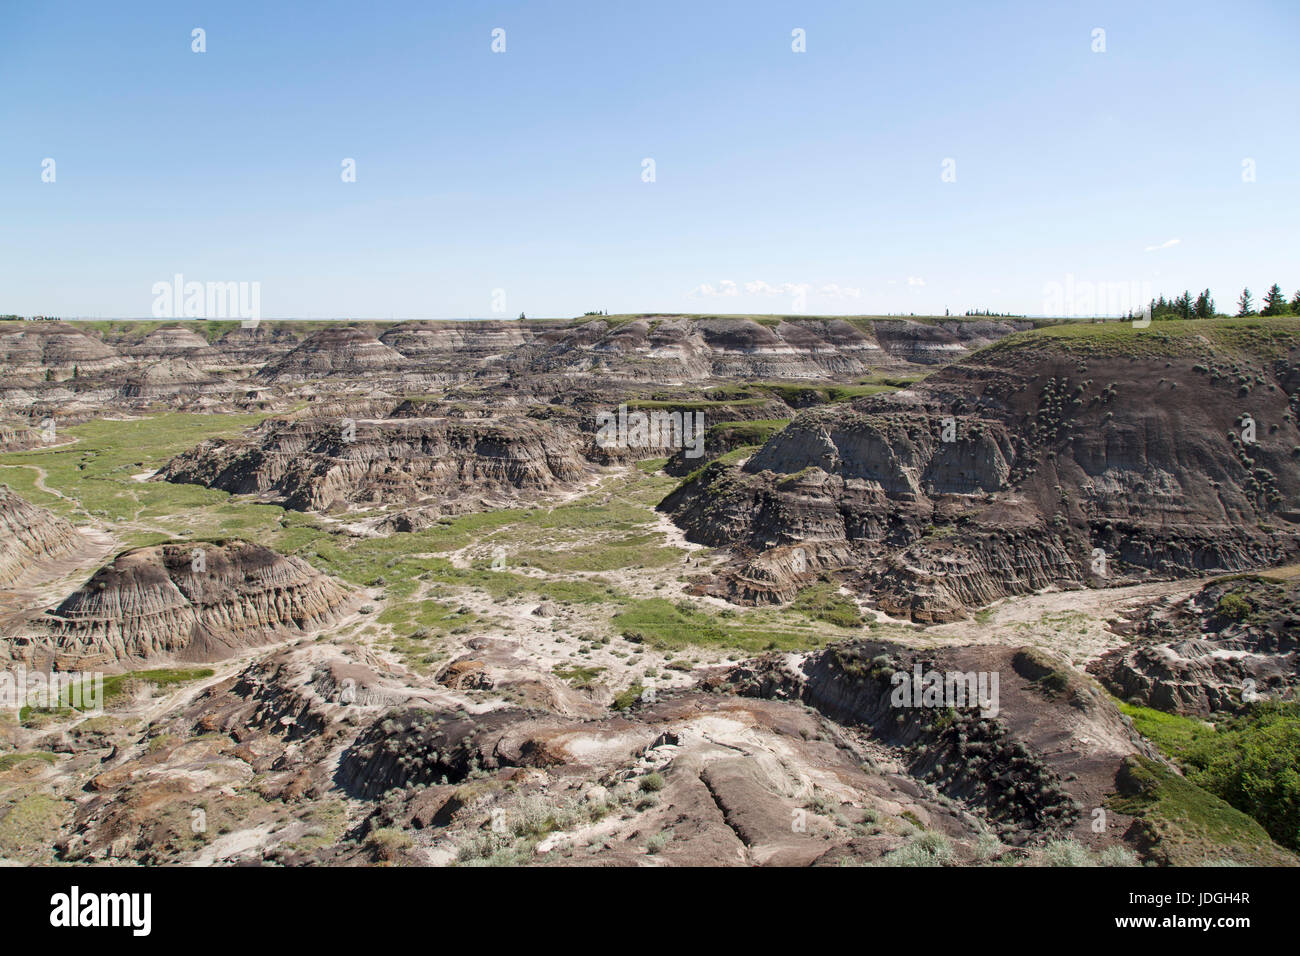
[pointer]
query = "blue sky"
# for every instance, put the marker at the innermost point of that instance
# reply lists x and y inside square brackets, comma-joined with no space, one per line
[799,181]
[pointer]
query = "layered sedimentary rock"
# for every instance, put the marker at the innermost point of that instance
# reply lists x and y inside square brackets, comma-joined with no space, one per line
[471,341]
[30,535]
[1235,640]
[324,463]
[525,361]
[167,376]
[335,351]
[688,348]
[192,602]
[174,341]
[257,345]
[59,349]
[18,435]
[1048,460]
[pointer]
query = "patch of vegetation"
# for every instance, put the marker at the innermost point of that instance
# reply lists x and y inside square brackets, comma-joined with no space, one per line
[29,825]
[1233,606]
[578,676]
[664,624]
[115,685]
[1253,762]
[928,849]
[628,697]
[824,602]
[9,761]
[388,843]
[1173,734]
[1183,824]
[1250,760]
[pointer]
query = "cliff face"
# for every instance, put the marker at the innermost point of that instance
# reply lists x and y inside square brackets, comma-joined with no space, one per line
[196,602]
[30,349]
[1026,466]
[30,535]
[172,341]
[334,351]
[688,348]
[67,368]
[319,463]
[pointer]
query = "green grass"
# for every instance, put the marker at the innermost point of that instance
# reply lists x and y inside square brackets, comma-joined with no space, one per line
[9,761]
[744,433]
[30,825]
[114,687]
[1250,760]
[578,676]
[608,531]
[823,602]
[666,625]
[626,698]
[96,470]
[633,551]
[1183,824]
[1172,733]
[1258,336]
[799,394]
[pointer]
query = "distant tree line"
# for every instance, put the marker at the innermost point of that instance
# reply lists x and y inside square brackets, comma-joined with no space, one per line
[1202,307]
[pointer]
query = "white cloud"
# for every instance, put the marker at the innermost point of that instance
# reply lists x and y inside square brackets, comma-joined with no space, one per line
[1168,243]
[724,288]
[834,291]
[759,287]
[915,280]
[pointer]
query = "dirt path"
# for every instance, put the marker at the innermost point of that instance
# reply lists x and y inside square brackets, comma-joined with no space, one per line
[39,482]
[1072,623]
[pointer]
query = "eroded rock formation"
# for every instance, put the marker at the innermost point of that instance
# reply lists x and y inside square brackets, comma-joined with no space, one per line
[192,602]
[1026,466]
[322,463]
[1234,641]
[29,536]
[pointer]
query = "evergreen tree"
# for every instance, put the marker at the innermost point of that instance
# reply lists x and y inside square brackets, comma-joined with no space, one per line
[1274,301]
[1204,307]
[1295,304]
[1244,305]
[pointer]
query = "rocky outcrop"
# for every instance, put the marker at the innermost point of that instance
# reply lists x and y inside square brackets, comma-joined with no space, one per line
[171,341]
[31,535]
[668,348]
[167,376]
[34,349]
[192,602]
[320,464]
[335,351]
[470,342]
[1031,465]
[1235,640]
[998,748]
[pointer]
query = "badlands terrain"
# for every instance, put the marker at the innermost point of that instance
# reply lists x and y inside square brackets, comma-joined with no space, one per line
[386,593]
